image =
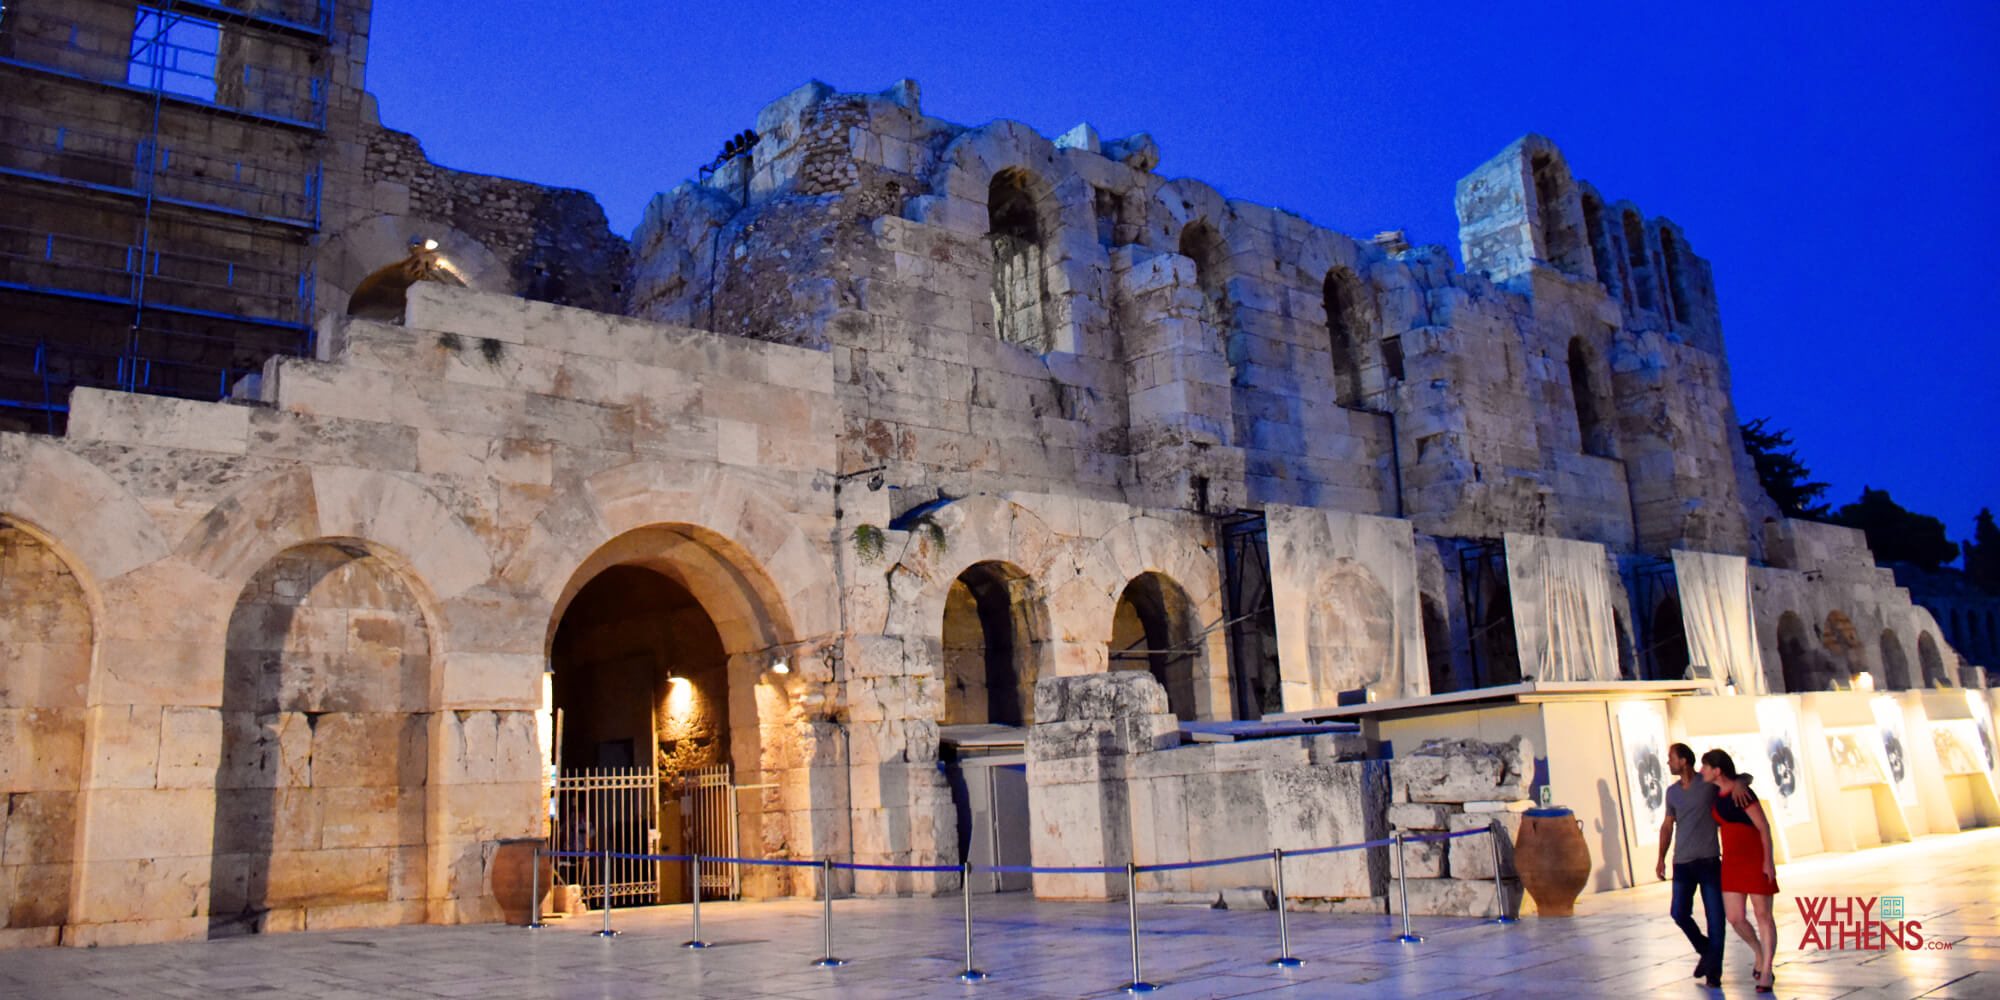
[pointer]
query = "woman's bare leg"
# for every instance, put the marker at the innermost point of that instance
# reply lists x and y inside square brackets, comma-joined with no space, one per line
[1732,906]
[1767,932]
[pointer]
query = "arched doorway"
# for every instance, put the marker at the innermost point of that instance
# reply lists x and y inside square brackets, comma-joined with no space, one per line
[1152,630]
[321,793]
[46,634]
[1843,649]
[989,647]
[1667,651]
[1895,666]
[1932,661]
[1796,655]
[663,658]
[1020,216]
[1493,640]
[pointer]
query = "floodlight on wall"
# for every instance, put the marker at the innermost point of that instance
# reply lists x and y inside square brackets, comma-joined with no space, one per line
[780,666]
[430,244]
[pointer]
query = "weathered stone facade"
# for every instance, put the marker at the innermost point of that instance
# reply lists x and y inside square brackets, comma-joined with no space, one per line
[911,425]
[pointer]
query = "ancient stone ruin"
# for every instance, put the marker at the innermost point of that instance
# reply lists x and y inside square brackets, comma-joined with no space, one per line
[901,491]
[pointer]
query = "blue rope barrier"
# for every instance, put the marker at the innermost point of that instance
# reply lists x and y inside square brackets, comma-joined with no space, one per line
[1209,863]
[1015,869]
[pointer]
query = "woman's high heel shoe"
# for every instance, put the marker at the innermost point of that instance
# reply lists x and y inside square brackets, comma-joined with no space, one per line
[1767,981]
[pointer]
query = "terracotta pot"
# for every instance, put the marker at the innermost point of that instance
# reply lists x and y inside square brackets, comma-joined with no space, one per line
[511,881]
[1552,858]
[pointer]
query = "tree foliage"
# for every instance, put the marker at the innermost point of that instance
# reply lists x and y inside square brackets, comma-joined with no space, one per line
[1982,553]
[1783,476]
[1898,535]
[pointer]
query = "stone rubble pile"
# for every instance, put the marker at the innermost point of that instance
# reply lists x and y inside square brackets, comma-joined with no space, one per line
[1446,786]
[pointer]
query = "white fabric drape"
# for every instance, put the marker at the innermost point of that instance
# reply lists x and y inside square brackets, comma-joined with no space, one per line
[1716,613]
[1563,622]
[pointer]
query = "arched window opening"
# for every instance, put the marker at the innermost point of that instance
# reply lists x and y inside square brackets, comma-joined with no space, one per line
[1437,646]
[1796,655]
[1638,276]
[1932,662]
[1151,630]
[1203,245]
[384,294]
[1604,260]
[1560,247]
[1670,256]
[1667,649]
[1592,414]
[1346,324]
[1017,235]
[1895,666]
[989,667]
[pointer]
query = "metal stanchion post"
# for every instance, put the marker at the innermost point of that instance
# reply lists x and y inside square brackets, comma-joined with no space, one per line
[1499,887]
[971,973]
[1284,958]
[826,960]
[696,941]
[1403,889]
[535,890]
[604,887]
[1137,985]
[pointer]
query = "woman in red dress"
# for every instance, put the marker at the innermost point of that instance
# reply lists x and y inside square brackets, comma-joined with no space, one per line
[1749,868]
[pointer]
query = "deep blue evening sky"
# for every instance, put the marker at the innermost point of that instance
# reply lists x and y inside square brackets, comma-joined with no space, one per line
[1835,162]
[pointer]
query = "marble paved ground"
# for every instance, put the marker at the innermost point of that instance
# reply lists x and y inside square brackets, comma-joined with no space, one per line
[1620,945]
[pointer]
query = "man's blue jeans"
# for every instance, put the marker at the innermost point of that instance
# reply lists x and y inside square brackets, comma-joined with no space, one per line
[1706,874]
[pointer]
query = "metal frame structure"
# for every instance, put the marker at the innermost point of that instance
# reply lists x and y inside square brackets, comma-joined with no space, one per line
[167,306]
[605,811]
[1648,583]
[1245,544]
[1477,557]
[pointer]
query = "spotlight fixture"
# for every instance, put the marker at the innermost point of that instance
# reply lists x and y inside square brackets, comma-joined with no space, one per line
[430,244]
[779,666]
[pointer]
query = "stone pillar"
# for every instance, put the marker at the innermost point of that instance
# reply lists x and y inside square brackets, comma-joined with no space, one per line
[1078,768]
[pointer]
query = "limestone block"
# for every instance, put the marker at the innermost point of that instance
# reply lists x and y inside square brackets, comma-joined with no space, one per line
[1426,859]
[301,879]
[133,823]
[372,817]
[1102,696]
[492,680]
[41,749]
[159,671]
[1417,816]
[495,811]
[42,674]
[189,752]
[1456,897]
[38,828]
[126,746]
[386,913]
[379,749]
[1053,741]
[160,421]
[1464,771]
[1472,857]
[112,935]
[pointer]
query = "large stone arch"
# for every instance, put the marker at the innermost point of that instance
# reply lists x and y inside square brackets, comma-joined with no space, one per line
[764,589]
[976,530]
[78,510]
[1086,607]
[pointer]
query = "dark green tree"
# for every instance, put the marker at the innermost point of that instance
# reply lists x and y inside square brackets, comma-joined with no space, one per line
[1982,553]
[1897,535]
[1783,476]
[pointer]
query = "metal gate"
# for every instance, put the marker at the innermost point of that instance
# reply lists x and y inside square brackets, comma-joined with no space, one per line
[613,809]
[708,814]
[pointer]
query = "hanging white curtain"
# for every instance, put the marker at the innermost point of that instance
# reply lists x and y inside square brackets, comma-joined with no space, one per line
[1563,622]
[1720,624]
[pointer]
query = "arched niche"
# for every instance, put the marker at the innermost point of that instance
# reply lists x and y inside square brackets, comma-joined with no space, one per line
[1931,659]
[1895,665]
[1348,321]
[1796,655]
[378,246]
[47,633]
[1153,629]
[321,801]
[1202,244]
[1667,651]
[989,645]
[1589,394]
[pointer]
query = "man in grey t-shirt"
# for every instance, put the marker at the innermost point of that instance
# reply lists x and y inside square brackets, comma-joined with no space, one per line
[1697,860]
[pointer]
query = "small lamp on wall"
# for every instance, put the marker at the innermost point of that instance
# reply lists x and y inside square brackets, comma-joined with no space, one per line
[779,665]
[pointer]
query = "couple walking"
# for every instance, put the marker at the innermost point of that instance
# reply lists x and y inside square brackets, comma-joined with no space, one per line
[1702,805]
